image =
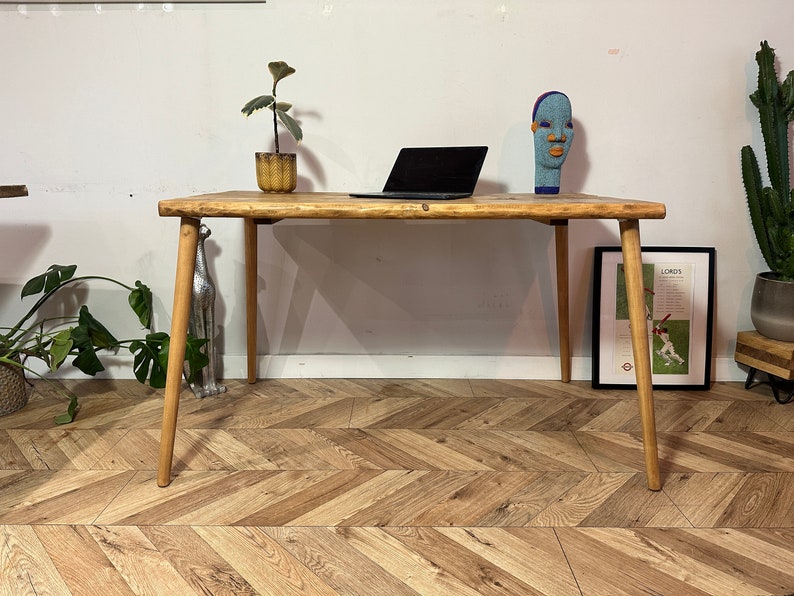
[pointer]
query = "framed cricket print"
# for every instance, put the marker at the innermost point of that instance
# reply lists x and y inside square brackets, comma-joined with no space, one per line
[678,288]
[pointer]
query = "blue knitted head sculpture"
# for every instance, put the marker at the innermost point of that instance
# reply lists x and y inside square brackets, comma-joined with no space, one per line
[553,130]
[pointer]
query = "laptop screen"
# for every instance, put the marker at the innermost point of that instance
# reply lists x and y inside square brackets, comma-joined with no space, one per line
[436,169]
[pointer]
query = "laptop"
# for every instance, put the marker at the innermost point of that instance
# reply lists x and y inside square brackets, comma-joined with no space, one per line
[432,173]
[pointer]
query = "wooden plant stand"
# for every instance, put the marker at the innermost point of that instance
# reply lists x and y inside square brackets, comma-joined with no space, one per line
[775,358]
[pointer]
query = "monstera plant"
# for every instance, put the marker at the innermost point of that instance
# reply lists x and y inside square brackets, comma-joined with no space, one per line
[771,205]
[53,339]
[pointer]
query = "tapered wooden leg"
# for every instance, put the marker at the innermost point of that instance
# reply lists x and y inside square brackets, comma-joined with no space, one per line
[632,264]
[563,301]
[250,295]
[180,317]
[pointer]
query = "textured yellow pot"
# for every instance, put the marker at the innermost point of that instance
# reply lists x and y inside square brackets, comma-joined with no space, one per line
[276,172]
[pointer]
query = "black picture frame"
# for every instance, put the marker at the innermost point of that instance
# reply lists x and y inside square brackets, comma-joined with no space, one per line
[679,291]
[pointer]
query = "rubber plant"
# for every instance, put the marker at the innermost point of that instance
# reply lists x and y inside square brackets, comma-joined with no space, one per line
[278,70]
[770,206]
[54,339]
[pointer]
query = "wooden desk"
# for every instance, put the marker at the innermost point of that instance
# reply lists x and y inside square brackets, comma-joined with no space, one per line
[257,208]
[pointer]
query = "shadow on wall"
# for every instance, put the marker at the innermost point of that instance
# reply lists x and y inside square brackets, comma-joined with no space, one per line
[463,287]
[411,287]
[20,245]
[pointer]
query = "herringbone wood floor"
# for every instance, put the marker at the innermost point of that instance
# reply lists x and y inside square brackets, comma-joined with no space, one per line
[398,487]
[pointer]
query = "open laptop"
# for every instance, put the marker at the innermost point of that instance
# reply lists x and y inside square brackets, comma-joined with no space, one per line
[432,173]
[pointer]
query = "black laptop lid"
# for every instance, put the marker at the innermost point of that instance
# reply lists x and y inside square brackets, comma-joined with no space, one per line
[436,169]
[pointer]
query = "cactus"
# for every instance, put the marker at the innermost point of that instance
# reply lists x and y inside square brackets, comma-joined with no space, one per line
[771,206]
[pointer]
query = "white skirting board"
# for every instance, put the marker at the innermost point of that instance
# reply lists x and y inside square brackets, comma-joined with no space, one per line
[453,367]
[356,366]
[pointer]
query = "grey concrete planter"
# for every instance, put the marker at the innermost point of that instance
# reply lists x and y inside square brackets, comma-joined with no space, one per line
[772,307]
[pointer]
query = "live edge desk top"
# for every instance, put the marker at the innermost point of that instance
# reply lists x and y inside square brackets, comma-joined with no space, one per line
[257,208]
[259,205]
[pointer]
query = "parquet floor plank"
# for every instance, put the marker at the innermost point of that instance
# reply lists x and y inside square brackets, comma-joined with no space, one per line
[462,565]
[58,497]
[333,559]
[744,500]
[300,449]
[720,452]
[262,562]
[138,449]
[11,456]
[417,412]
[138,561]
[26,565]
[213,497]
[665,561]
[65,449]
[417,570]
[388,486]
[196,561]
[81,561]
[532,555]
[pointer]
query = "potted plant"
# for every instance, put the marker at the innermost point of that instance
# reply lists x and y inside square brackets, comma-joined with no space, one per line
[771,212]
[276,172]
[53,339]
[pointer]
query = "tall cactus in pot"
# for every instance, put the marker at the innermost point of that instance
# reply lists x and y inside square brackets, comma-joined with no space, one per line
[771,207]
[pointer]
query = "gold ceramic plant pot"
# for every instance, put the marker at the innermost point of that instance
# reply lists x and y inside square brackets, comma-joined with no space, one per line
[276,172]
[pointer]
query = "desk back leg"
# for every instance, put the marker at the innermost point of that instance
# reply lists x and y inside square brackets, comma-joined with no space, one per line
[251,246]
[632,264]
[563,300]
[180,316]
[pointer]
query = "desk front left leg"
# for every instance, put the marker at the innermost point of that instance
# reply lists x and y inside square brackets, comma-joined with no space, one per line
[180,317]
[632,265]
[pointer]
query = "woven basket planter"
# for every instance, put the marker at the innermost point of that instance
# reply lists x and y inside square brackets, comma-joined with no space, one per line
[13,389]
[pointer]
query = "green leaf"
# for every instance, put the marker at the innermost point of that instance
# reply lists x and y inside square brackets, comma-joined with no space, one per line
[263,101]
[292,126]
[195,356]
[279,70]
[162,358]
[71,411]
[88,335]
[61,347]
[139,366]
[88,362]
[49,280]
[98,334]
[146,363]
[282,105]
[151,358]
[140,301]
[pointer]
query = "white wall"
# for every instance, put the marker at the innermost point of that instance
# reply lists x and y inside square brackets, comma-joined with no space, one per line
[105,112]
